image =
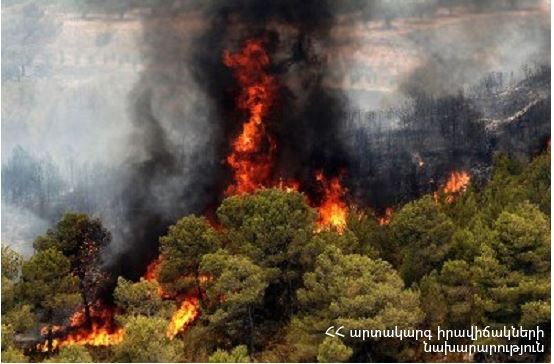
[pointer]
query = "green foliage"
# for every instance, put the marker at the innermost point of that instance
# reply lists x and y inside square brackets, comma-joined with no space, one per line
[270,286]
[49,286]
[236,290]
[524,239]
[11,263]
[182,250]
[20,318]
[238,355]
[423,232]
[141,298]
[332,350]
[373,239]
[535,313]
[145,341]
[71,233]
[447,298]
[536,182]
[71,354]
[352,291]
[11,268]
[13,355]
[81,239]
[273,228]
[10,353]
[268,226]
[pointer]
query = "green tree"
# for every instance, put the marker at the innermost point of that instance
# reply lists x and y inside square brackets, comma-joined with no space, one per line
[502,294]
[145,341]
[536,182]
[81,239]
[11,268]
[239,286]
[333,350]
[20,317]
[502,192]
[13,355]
[447,297]
[11,262]
[71,354]
[271,227]
[524,239]
[140,298]
[239,354]
[353,291]
[182,250]
[423,232]
[373,238]
[50,287]
[7,339]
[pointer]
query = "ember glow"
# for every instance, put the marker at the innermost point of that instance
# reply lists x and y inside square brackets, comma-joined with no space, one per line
[252,151]
[332,210]
[151,270]
[385,219]
[183,317]
[101,332]
[456,184]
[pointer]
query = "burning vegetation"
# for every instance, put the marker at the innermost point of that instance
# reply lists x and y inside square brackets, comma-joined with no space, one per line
[456,184]
[102,330]
[251,157]
[280,257]
[252,151]
[251,160]
[333,209]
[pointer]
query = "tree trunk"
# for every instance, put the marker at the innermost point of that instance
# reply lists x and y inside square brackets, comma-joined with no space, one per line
[49,339]
[251,336]
[198,288]
[88,318]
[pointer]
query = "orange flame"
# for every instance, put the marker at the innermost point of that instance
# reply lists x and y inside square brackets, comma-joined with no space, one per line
[151,275]
[332,210]
[102,331]
[190,307]
[184,316]
[385,219]
[152,269]
[252,150]
[456,184]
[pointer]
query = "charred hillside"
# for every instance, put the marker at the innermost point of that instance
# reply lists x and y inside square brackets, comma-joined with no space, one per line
[403,153]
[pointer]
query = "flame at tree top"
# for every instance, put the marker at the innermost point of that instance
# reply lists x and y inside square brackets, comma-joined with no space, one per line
[252,150]
[457,183]
[332,210]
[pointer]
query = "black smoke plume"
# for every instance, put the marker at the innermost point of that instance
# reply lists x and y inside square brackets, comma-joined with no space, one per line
[181,145]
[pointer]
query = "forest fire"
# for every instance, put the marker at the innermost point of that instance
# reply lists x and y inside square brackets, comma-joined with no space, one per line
[252,150]
[385,219]
[150,274]
[189,309]
[457,183]
[184,316]
[332,210]
[102,331]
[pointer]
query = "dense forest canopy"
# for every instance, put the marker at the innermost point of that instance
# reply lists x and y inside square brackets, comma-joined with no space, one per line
[263,283]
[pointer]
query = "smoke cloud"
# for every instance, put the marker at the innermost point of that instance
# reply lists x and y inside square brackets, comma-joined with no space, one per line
[390,95]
